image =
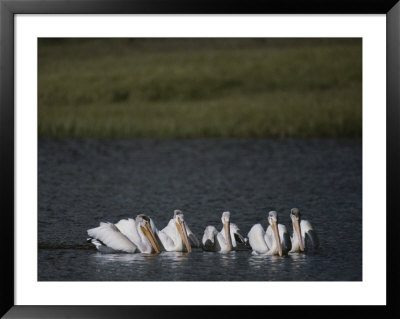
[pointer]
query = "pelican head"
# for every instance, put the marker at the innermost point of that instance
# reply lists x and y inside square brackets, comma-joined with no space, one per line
[295,216]
[225,217]
[226,223]
[273,221]
[273,217]
[180,225]
[143,223]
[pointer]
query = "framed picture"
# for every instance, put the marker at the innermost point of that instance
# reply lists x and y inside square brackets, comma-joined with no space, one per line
[168,158]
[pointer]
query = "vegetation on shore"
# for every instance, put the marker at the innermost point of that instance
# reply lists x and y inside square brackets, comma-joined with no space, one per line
[193,88]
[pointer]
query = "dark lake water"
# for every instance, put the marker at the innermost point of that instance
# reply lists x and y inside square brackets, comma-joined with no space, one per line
[84,182]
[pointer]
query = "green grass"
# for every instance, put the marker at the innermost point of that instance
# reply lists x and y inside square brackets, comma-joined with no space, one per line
[190,88]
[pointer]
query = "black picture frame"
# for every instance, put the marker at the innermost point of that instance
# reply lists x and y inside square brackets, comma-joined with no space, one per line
[8,10]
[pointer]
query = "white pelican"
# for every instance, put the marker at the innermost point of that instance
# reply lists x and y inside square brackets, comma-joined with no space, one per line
[217,241]
[275,241]
[304,237]
[177,236]
[128,235]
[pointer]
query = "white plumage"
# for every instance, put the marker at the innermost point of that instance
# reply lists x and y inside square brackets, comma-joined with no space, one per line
[274,241]
[127,235]
[304,236]
[257,239]
[217,241]
[111,237]
[177,236]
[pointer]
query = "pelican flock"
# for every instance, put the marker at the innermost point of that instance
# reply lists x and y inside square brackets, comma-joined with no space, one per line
[140,235]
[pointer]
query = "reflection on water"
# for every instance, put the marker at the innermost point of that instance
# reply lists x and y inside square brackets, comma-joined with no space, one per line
[141,261]
[269,262]
[260,261]
[122,258]
[84,182]
[233,266]
[227,259]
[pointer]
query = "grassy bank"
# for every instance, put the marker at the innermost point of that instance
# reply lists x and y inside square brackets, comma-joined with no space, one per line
[200,88]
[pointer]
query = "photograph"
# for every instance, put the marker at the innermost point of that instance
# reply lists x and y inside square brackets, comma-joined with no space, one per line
[200,159]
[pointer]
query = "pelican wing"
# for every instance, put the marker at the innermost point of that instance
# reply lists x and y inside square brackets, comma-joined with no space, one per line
[209,234]
[236,237]
[100,246]
[285,238]
[310,238]
[194,242]
[166,241]
[128,228]
[109,234]
[305,226]
[269,237]
[167,235]
[257,239]
[209,238]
